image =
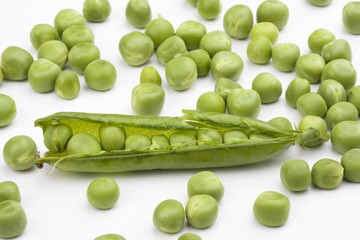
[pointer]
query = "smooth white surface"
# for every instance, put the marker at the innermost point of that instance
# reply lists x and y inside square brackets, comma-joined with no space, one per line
[56,204]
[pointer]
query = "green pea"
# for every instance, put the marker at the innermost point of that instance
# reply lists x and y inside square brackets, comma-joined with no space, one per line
[320,3]
[234,136]
[159,29]
[66,18]
[266,29]
[169,216]
[15,63]
[208,137]
[7,111]
[67,85]
[9,191]
[353,96]
[351,164]
[171,48]
[136,48]
[332,92]
[259,136]
[327,173]
[191,32]
[103,193]
[311,104]
[211,102]
[1,76]
[147,99]
[226,64]
[20,152]
[215,41]
[137,142]
[202,60]
[110,236]
[319,38]
[57,136]
[55,51]
[342,71]
[345,136]
[281,122]
[150,75]
[315,122]
[81,55]
[244,102]
[138,13]
[273,11]
[205,182]
[77,34]
[112,137]
[336,49]
[295,175]
[201,211]
[284,56]
[259,50]
[181,73]
[271,209]
[296,88]
[182,140]
[100,75]
[159,142]
[84,144]
[189,236]
[341,111]
[13,219]
[209,9]
[351,16]
[42,33]
[238,21]
[224,86]
[310,66]
[96,10]
[268,87]
[43,74]
[192,2]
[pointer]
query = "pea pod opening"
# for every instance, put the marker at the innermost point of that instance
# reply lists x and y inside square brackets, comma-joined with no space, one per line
[208,155]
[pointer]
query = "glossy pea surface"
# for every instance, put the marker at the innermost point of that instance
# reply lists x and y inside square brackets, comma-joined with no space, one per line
[209,9]
[205,182]
[182,139]
[55,51]
[341,111]
[189,236]
[319,38]
[137,142]
[238,21]
[103,193]
[202,60]
[310,66]
[159,29]
[273,11]
[169,216]
[295,175]
[351,17]
[159,142]
[100,75]
[8,110]
[201,211]
[171,48]
[42,33]
[311,103]
[320,3]
[96,10]
[234,136]
[66,18]
[181,73]
[268,87]
[57,136]
[332,92]
[112,137]
[138,13]
[67,85]
[215,41]
[211,102]
[351,164]
[81,55]
[224,86]
[345,136]
[259,50]
[77,34]
[353,96]
[281,122]
[15,63]
[342,71]
[149,74]
[266,29]
[244,102]
[208,137]
[226,64]
[191,32]
[13,219]
[327,173]
[316,122]
[110,236]
[42,75]
[147,99]
[9,190]
[83,143]
[336,49]
[284,56]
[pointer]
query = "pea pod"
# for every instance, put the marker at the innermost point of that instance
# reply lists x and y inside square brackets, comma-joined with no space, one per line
[201,156]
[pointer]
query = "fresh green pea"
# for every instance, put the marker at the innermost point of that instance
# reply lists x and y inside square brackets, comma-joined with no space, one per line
[112,137]
[83,143]
[67,85]
[150,75]
[327,173]
[284,56]
[136,48]
[66,18]
[191,32]
[351,164]
[281,122]
[319,38]
[147,99]
[336,49]
[311,104]
[8,110]
[181,73]
[138,13]
[310,66]
[259,50]
[266,29]
[341,111]
[9,191]
[96,10]
[353,96]
[226,64]
[342,71]
[189,236]
[268,87]
[171,48]
[182,140]
[20,152]
[202,60]
[192,2]
[310,121]
[244,102]
[57,136]
[345,136]
[295,175]
[209,9]
[351,16]
[215,41]
[103,193]
[81,55]
[110,236]
[320,3]
[159,29]
[137,142]
[100,75]
[55,51]
[169,216]
[15,63]
[208,137]
[238,21]
[234,136]
[273,11]
[332,92]
[13,219]
[77,34]
[259,136]
[201,211]
[224,86]
[205,182]
[43,74]
[211,102]
[42,33]
[296,88]
[159,142]
[271,209]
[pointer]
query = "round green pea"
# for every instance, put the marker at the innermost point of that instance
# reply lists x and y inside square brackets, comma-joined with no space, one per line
[202,60]
[96,10]
[136,48]
[244,102]
[319,38]
[226,64]
[9,191]
[336,49]
[332,92]
[205,182]
[171,48]
[215,41]
[67,85]
[327,173]
[268,87]
[159,29]
[259,136]
[234,136]
[159,142]
[353,96]
[77,34]
[147,99]
[112,137]
[181,73]
[110,236]
[320,3]
[209,9]
[259,50]
[191,32]
[295,175]
[311,103]
[84,144]
[271,209]
[66,18]
[310,66]
[20,152]
[281,122]
[238,21]
[100,75]
[137,142]
[296,88]
[351,164]
[55,51]
[224,86]
[189,236]
[138,13]
[340,70]
[169,216]
[208,137]
[182,140]
[57,136]
[341,111]
[150,75]
[266,29]
[7,111]
[15,63]
[13,220]
[211,102]
[103,193]
[284,56]
[273,11]
[351,17]
[81,55]
[43,74]
[318,123]
[201,211]
[42,33]
[345,136]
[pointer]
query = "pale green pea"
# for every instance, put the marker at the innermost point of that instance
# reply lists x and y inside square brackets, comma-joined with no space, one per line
[259,136]
[159,142]
[281,122]
[138,13]
[202,60]
[315,122]
[191,32]
[150,75]
[169,216]
[137,142]
[341,111]
[205,182]
[171,48]
[296,88]
[55,51]
[181,73]
[268,87]
[208,137]
[211,102]
[209,9]
[182,140]
[234,136]
[147,99]
[100,75]
[336,49]
[327,173]
[226,64]
[266,29]
[96,10]
[84,144]
[215,41]
[77,34]
[67,85]
[259,50]
[311,104]
[224,86]
[103,193]
[310,67]
[332,92]
[273,11]
[351,16]
[284,56]
[353,96]
[319,38]
[42,33]
[8,110]
[342,71]
[42,75]
[351,164]
[57,136]
[320,3]
[9,191]
[238,21]
[192,2]
[201,211]
[159,29]
[66,18]
[81,55]
[13,220]
[110,236]
[345,136]
[244,102]
[15,63]
[295,175]
[189,236]
[112,138]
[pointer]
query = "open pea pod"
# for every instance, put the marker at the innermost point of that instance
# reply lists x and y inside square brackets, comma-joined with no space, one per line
[199,156]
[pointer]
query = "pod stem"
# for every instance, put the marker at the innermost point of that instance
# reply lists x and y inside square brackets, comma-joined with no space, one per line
[311,135]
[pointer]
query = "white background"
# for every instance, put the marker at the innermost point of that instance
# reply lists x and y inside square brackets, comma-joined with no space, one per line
[56,204]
